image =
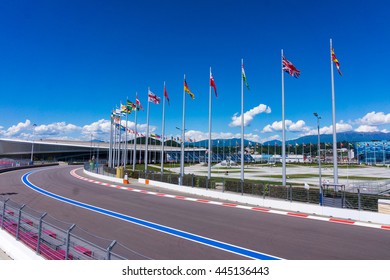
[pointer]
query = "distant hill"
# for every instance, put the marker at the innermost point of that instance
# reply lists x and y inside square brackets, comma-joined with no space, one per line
[350,136]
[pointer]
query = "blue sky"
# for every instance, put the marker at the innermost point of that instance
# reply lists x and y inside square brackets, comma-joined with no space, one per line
[66,64]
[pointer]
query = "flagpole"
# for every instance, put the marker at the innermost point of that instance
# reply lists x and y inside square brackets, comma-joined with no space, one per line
[162,133]
[209,150]
[125,154]
[242,128]
[119,143]
[335,169]
[182,137]
[114,145]
[110,149]
[147,135]
[283,132]
[135,137]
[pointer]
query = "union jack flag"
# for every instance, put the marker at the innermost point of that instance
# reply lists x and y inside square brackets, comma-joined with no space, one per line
[290,68]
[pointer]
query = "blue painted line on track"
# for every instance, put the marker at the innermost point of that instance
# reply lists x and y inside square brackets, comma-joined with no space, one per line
[175,232]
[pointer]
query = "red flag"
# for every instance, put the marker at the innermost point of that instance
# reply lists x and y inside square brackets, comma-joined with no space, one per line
[290,68]
[166,94]
[212,84]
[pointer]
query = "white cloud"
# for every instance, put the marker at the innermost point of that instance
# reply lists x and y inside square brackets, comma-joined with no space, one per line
[374,118]
[98,129]
[340,127]
[267,129]
[17,130]
[367,128]
[249,115]
[299,126]
[55,129]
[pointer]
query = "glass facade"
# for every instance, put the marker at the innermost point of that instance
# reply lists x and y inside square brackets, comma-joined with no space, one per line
[373,152]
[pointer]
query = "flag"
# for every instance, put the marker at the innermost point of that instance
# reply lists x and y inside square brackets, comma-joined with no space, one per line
[119,112]
[153,98]
[166,94]
[125,109]
[336,61]
[290,68]
[187,89]
[131,105]
[138,103]
[212,84]
[244,76]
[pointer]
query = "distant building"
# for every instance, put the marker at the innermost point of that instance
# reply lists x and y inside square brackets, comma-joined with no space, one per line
[373,152]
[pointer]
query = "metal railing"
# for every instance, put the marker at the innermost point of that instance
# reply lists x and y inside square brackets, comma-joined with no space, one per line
[353,198]
[57,240]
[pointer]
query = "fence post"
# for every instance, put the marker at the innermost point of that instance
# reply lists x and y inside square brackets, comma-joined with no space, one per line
[287,192]
[359,205]
[223,184]
[40,232]
[291,190]
[19,218]
[3,214]
[68,241]
[109,249]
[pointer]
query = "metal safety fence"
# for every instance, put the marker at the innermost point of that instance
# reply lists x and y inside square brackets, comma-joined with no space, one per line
[57,240]
[353,198]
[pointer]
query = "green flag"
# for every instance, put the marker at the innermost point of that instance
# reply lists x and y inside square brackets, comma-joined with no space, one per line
[244,77]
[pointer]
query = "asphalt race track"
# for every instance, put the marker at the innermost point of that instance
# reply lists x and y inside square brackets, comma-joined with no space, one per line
[285,237]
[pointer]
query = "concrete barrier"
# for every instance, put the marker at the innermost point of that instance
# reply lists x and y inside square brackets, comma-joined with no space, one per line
[384,206]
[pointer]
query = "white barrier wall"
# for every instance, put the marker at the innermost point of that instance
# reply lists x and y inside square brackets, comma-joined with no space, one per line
[363,216]
[104,177]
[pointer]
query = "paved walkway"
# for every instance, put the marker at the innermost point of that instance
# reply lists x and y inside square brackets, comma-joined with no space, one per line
[273,174]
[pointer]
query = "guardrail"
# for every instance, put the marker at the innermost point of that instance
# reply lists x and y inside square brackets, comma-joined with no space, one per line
[57,240]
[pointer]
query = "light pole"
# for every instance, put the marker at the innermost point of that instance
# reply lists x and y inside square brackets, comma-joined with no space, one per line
[32,146]
[319,155]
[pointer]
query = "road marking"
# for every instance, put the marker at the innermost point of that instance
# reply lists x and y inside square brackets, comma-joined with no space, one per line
[161,228]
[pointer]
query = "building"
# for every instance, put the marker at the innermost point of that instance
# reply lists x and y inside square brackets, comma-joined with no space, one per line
[373,152]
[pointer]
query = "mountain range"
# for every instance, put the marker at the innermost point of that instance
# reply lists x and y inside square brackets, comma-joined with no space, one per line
[350,136]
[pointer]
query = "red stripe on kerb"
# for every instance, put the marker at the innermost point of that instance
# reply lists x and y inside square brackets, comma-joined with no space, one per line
[143,191]
[118,187]
[341,221]
[129,189]
[297,215]
[229,204]
[161,194]
[203,200]
[180,197]
[385,227]
[260,209]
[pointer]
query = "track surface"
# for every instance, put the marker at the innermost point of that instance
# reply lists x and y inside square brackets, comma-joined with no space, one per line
[277,235]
